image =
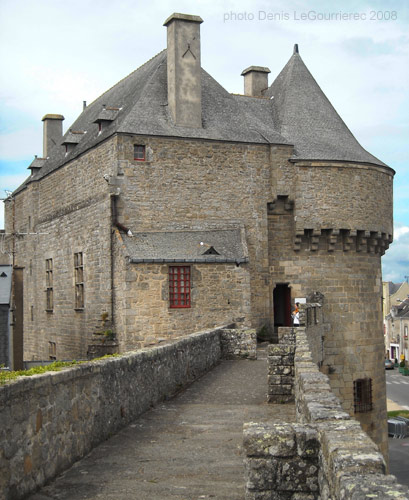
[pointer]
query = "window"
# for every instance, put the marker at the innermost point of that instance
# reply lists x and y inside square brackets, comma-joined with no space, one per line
[52,350]
[79,280]
[49,284]
[179,286]
[362,395]
[139,153]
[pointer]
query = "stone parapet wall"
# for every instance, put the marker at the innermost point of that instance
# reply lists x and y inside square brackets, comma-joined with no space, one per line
[49,421]
[349,461]
[281,461]
[326,456]
[280,373]
[238,343]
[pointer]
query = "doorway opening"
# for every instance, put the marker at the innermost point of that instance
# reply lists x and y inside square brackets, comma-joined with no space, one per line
[282,305]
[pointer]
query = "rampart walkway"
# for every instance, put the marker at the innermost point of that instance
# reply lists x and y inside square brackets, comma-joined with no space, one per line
[185,449]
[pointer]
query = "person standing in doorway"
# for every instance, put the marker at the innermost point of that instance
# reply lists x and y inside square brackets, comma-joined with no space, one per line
[296,315]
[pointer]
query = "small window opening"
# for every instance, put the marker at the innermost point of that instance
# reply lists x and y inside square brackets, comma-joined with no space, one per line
[363,395]
[79,280]
[139,152]
[52,350]
[49,284]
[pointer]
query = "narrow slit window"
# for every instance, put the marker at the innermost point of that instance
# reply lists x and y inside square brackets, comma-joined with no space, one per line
[49,285]
[52,350]
[363,395]
[139,152]
[179,286]
[79,280]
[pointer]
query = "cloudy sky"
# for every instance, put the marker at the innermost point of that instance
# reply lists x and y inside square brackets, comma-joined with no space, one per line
[55,54]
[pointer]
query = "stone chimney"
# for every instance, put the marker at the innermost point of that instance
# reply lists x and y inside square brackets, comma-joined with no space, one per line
[255,80]
[52,132]
[184,70]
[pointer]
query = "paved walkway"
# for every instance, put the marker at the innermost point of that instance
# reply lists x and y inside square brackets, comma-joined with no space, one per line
[188,448]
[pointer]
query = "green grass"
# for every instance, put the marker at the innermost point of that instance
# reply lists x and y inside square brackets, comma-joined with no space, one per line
[399,413]
[7,376]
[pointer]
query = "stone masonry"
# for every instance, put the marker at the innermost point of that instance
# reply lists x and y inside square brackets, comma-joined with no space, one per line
[49,421]
[325,456]
[313,207]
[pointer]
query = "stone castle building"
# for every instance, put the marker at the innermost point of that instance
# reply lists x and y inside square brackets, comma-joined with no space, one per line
[172,206]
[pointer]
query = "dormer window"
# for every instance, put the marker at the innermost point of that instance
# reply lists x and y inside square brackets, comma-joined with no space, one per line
[106,116]
[139,152]
[72,138]
[211,251]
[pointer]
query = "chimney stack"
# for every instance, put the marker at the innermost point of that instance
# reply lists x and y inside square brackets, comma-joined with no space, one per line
[184,70]
[255,80]
[52,132]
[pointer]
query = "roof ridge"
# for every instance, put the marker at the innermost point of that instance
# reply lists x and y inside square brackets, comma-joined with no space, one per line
[127,76]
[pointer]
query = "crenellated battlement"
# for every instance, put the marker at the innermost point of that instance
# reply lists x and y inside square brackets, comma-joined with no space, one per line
[346,240]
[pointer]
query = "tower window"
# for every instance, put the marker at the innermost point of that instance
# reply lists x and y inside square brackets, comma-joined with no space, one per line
[139,152]
[52,350]
[363,395]
[179,286]
[79,280]
[49,284]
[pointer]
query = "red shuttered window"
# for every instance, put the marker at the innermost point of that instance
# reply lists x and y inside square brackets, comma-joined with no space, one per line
[179,286]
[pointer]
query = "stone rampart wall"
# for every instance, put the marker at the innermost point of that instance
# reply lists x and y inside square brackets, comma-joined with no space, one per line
[49,421]
[325,456]
[238,343]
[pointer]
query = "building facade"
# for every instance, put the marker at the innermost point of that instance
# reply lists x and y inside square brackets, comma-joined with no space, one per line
[171,206]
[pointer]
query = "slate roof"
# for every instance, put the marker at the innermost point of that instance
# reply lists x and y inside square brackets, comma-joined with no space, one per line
[402,309]
[303,114]
[224,245]
[5,284]
[394,287]
[294,111]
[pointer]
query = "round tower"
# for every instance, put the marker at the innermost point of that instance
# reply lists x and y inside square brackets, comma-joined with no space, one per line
[330,221]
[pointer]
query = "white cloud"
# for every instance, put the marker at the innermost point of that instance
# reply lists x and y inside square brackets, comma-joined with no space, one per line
[395,263]
[399,231]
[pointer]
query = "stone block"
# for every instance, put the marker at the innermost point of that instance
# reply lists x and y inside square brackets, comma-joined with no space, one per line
[297,474]
[266,440]
[261,473]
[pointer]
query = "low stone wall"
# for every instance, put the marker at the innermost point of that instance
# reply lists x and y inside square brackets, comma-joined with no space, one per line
[280,360]
[350,464]
[238,343]
[49,421]
[281,461]
[345,463]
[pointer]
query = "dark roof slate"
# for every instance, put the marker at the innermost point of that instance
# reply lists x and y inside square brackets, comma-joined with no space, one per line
[187,246]
[394,287]
[303,114]
[294,111]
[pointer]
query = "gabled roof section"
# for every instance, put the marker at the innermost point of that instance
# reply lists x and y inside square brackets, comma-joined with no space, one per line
[187,246]
[305,117]
[138,104]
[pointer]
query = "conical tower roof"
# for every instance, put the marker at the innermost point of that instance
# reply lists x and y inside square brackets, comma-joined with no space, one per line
[304,116]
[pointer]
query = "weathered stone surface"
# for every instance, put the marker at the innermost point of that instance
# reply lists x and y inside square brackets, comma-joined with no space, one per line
[375,486]
[49,421]
[238,343]
[267,440]
[261,473]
